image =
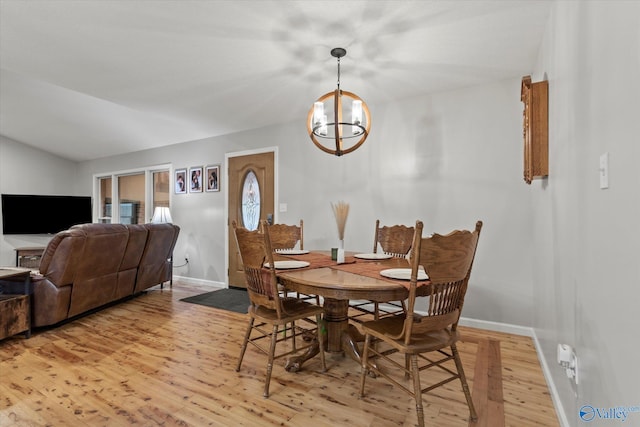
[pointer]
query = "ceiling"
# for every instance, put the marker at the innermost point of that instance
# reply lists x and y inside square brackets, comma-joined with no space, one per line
[89,79]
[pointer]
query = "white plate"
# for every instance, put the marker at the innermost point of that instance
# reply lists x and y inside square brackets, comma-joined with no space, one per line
[372,256]
[292,251]
[284,265]
[403,273]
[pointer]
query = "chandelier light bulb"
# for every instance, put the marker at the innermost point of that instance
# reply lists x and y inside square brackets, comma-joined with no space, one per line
[356,116]
[323,126]
[318,113]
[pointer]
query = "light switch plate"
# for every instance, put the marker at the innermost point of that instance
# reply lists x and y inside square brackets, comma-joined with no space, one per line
[283,207]
[604,171]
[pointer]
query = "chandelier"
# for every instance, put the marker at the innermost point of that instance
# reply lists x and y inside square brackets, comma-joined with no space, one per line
[346,136]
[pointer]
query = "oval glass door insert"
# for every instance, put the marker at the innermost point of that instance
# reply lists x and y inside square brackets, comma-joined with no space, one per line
[250,201]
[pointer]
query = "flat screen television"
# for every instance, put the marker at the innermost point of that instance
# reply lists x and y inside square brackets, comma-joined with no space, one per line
[33,214]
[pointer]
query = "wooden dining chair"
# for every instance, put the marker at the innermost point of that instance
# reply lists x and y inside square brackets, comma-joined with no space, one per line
[267,307]
[396,241]
[287,237]
[426,339]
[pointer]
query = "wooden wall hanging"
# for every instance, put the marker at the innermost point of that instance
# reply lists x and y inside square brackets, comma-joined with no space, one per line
[535,97]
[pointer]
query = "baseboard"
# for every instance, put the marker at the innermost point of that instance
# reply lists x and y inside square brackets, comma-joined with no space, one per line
[555,397]
[200,282]
[482,324]
[496,326]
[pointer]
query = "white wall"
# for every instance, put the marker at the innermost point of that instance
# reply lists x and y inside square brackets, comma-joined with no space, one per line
[27,170]
[587,240]
[448,160]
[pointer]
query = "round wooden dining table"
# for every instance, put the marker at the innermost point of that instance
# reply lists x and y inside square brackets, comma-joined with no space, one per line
[337,287]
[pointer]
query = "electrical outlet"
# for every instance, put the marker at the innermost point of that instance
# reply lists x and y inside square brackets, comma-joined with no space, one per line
[568,360]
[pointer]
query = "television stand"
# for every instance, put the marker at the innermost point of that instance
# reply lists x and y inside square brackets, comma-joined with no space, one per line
[29,257]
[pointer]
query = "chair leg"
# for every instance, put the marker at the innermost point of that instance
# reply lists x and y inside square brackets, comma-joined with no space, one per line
[417,391]
[321,341]
[272,352]
[293,333]
[463,381]
[244,343]
[365,364]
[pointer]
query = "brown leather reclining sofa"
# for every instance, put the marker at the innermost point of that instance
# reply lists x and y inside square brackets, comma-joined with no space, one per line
[91,265]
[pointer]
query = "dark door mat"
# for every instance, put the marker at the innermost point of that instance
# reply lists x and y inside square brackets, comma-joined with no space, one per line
[236,300]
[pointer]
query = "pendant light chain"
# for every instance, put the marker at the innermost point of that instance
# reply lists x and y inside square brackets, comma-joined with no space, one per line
[338,73]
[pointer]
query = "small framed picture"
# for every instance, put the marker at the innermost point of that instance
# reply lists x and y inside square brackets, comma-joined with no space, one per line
[195,179]
[180,183]
[212,176]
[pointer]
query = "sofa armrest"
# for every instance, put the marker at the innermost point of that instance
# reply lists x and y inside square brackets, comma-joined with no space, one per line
[50,303]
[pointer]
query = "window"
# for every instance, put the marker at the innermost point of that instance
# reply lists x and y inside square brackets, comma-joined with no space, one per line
[161,188]
[104,199]
[137,193]
[131,196]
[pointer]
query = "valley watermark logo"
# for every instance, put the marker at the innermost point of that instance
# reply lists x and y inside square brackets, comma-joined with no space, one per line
[615,413]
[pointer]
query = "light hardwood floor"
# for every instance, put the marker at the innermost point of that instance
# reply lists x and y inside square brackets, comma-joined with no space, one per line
[155,360]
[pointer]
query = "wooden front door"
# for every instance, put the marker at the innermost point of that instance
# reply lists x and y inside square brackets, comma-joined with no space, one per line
[251,199]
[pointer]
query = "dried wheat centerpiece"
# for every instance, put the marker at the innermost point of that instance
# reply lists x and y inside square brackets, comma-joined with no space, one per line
[341,212]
